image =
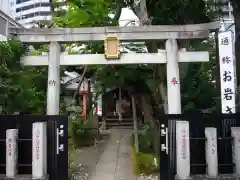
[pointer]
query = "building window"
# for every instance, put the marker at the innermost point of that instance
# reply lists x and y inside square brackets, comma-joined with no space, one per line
[12,4]
[33,6]
[41,13]
[21,1]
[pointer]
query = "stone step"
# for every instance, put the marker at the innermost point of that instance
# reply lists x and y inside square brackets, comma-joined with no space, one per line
[121,127]
[120,123]
[112,122]
[117,119]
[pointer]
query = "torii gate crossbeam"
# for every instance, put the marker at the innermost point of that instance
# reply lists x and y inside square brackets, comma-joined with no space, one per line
[71,35]
[128,58]
[55,36]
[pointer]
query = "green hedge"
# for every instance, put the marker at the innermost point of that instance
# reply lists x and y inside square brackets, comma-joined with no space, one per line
[143,162]
[80,133]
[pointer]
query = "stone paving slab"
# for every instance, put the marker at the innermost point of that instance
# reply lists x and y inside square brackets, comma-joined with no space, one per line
[115,162]
[124,165]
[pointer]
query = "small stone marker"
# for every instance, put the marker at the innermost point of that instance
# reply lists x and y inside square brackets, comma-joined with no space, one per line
[183,149]
[235,131]
[211,152]
[39,150]
[11,152]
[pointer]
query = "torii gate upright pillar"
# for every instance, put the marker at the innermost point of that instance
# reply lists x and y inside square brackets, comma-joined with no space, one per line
[53,86]
[173,80]
[174,107]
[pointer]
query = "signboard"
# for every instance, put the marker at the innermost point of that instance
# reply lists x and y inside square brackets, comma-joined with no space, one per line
[112,47]
[227,72]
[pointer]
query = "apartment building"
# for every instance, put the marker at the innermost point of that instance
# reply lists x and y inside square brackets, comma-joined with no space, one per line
[8,7]
[29,11]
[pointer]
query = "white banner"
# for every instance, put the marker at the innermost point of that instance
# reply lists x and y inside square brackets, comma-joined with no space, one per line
[227,72]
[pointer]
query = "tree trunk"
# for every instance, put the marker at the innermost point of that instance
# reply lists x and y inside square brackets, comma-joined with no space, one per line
[135,123]
[94,124]
[148,118]
[147,109]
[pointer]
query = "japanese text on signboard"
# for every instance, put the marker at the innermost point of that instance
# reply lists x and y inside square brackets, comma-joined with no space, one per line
[9,146]
[183,144]
[227,72]
[37,145]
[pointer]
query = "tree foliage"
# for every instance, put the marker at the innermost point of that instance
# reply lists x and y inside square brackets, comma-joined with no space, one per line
[199,86]
[22,89]
[87,13]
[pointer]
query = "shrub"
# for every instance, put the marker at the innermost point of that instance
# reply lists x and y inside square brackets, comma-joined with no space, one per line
[143,163]
[79,131]
[145,139]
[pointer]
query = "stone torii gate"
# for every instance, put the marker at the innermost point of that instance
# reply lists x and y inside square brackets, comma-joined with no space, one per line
[55,36]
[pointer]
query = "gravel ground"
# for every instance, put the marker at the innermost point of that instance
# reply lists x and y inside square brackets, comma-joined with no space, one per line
[84,160]
[150,177]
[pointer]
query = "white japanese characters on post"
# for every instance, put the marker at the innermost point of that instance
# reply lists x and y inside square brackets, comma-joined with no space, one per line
[227,72]
[11,152]
[39,150]
[211,151]
[235,131]
[183,149]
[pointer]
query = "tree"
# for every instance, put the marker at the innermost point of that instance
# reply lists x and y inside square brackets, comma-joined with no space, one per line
[22,89]
[199,86]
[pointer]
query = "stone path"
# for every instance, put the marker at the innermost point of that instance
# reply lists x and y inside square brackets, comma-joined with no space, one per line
[110,160]
[115,162]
